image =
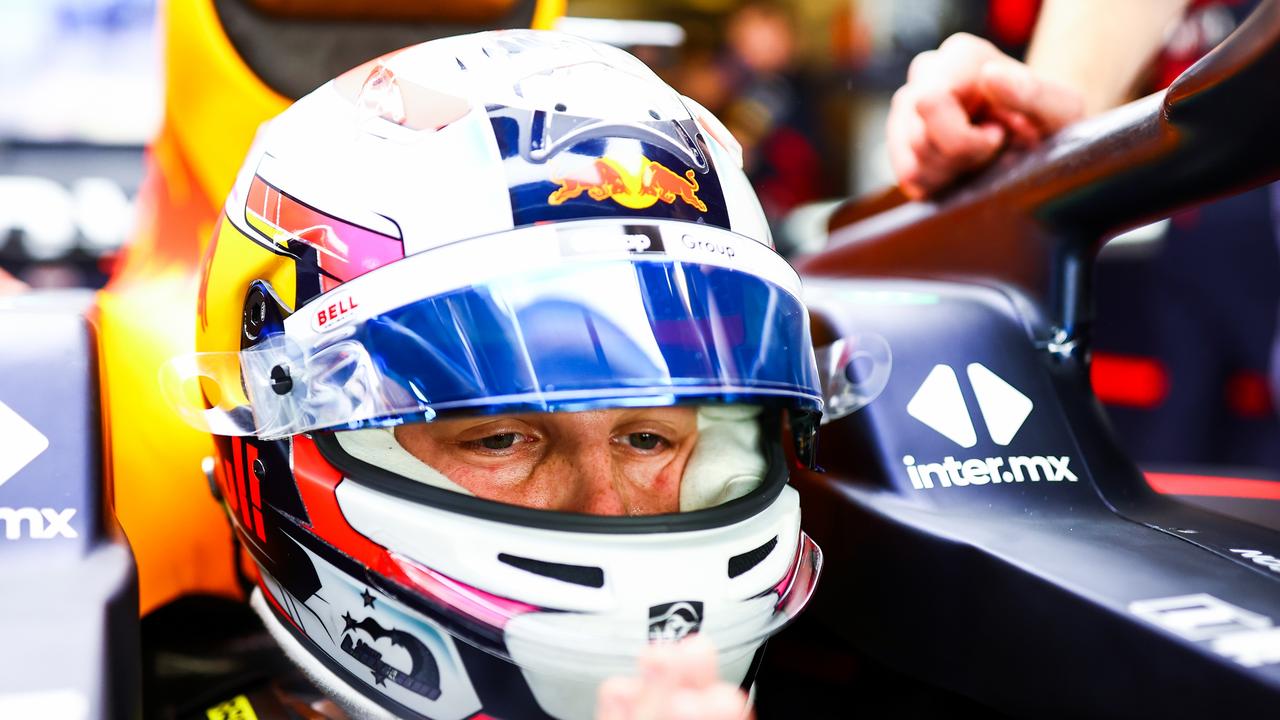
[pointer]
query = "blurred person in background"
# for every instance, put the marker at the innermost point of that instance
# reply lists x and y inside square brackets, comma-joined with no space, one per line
[751,84]
[9,284]
[1199,313]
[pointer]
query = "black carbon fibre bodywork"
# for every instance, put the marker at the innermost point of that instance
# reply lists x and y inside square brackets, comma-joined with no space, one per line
[1026,596]
[1038,574]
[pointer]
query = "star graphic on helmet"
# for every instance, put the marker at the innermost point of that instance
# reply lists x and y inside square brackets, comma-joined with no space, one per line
[350,622]
[367,597]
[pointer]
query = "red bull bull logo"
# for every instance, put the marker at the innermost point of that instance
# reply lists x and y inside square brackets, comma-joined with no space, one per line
[650,183]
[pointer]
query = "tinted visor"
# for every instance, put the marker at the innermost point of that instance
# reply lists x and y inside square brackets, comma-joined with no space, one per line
[561,318]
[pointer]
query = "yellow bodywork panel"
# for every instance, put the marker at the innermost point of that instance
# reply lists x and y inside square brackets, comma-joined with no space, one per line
[148,313]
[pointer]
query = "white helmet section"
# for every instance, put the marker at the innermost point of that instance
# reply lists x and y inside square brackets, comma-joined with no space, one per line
[565,655]
[727,462]
[440,186]
[379,447]
[446,181]
[640,570]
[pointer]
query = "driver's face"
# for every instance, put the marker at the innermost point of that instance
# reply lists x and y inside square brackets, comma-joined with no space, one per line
[603,462]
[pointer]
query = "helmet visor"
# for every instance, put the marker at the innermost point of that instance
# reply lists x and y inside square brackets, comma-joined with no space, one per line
[554,318]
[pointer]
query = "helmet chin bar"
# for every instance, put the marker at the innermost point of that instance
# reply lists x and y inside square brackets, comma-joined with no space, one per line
[404,641]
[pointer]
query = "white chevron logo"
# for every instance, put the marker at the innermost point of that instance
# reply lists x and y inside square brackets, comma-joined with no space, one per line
[939,404]
[22,443]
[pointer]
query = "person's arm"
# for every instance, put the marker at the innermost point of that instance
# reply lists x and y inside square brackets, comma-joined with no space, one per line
[10,285]
[1100,47]
[965,101]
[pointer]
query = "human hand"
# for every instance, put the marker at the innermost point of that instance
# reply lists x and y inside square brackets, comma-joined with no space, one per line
[10,285]
[677,682]
[961,104]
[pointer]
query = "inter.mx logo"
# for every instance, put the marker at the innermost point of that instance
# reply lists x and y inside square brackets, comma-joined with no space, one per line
[40,524]
[22,444]
[940,404]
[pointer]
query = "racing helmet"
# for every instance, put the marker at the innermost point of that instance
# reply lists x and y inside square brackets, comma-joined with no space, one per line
[512,224]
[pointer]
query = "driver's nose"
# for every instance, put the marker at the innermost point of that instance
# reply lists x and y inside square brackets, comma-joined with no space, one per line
[594,486]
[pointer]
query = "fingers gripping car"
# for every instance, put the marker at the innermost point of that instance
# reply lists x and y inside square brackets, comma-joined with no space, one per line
[501,364]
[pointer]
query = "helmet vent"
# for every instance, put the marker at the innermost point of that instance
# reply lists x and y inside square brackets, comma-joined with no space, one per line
[255,313]
[739,564]
[576,574]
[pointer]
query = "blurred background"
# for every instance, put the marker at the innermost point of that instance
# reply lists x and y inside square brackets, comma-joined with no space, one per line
[805,86]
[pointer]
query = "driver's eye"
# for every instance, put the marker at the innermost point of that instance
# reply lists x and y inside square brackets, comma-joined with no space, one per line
[644,441]
[501,441]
